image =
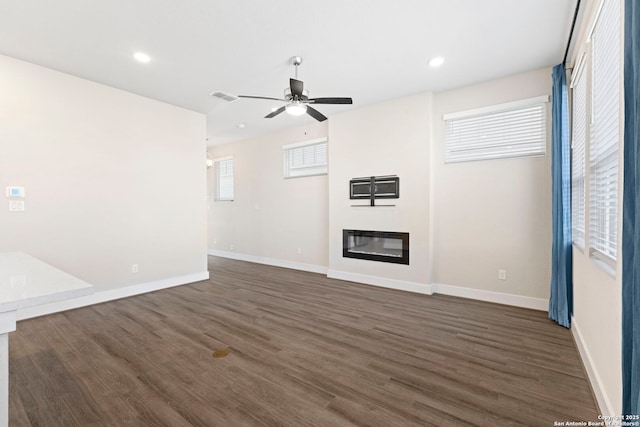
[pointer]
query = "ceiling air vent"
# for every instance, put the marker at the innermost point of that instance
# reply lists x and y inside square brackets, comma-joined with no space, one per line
[224,95]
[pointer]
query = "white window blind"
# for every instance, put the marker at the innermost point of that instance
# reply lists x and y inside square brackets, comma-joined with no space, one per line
[604,131]
[578,143]
[507,130]
[224,178]
[305,158]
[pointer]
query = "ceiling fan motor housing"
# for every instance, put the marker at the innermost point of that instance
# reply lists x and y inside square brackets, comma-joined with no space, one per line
[289,97]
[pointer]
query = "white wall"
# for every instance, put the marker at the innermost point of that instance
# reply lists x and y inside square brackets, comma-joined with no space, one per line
[493,214]
[112,179]
[270,217]
[390,138]
[466,220]
[488,215]
[597,311]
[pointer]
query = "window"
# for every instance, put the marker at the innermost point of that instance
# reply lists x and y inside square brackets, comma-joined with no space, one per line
[604,132]
[578,143]
[224,178]
[508,130]
[305,158]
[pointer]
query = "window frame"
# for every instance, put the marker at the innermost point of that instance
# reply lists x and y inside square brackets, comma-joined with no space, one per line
[304,170]
[486,119]
[218,196]
[579,156]
[604,250]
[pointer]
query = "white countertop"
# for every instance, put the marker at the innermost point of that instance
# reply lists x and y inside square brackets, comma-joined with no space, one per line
[26,282]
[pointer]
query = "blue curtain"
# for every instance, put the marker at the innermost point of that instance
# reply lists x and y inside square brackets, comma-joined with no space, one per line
[561,299]
[631,214]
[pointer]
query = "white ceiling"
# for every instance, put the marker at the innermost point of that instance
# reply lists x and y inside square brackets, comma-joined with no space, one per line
[370,50]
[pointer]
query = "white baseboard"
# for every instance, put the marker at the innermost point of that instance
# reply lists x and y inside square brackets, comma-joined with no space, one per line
[109,295]
[604,403]
[490,296]
[420,288]
[312,268]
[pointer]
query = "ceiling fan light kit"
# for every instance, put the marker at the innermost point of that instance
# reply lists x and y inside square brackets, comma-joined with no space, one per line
[297,98]
[296,108]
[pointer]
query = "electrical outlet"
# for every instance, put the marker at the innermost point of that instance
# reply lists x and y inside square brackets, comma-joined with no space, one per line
[134,268]
[502,274]
[232,247]
[299,250]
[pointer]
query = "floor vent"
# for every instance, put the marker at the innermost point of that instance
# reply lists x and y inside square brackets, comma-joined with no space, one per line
[224,95]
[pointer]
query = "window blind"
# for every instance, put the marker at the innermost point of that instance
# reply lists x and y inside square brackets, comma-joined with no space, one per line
[578,143]
[507,130]
[604,130]
[224,178]
[305,159]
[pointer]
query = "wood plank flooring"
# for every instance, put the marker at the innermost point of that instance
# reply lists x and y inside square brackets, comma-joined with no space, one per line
[304,350]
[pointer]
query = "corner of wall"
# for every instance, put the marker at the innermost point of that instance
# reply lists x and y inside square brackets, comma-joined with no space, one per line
[490,296]
[599,390]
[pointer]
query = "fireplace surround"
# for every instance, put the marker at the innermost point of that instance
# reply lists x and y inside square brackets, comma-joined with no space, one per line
[382,246]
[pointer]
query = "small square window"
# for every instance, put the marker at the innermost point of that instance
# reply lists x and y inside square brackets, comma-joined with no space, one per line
[305,158]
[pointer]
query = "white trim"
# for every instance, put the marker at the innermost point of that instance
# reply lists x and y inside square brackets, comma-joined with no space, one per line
[4,379]
[497,107]
[304,143]
[578,69]
[603,261]
[109,294]
[7,322]
[595,21]
[312,268]
[420,288]
[490,296]
[604,403]
[219,159]
[306,176]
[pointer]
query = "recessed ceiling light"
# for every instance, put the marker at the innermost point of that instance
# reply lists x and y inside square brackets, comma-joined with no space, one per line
[241,125]
[142,57]
[437,61]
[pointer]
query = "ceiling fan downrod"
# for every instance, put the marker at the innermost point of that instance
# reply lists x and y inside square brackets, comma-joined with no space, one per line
[296,60]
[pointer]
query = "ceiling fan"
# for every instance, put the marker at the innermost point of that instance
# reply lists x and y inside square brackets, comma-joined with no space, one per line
[297,98]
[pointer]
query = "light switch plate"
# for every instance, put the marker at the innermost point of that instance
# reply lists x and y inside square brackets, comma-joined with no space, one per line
[16,205]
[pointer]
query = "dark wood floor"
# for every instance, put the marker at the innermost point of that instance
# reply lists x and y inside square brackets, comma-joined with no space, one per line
[303,350]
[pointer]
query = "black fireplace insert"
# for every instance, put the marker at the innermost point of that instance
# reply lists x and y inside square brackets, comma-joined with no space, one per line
[383,246]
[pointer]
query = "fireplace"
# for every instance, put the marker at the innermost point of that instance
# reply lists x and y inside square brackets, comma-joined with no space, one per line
[383,246]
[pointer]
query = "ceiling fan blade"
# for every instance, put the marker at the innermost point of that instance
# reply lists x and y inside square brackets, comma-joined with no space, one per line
[316,114]
[331,101]
[261,97]
[297,86]
[275,113]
